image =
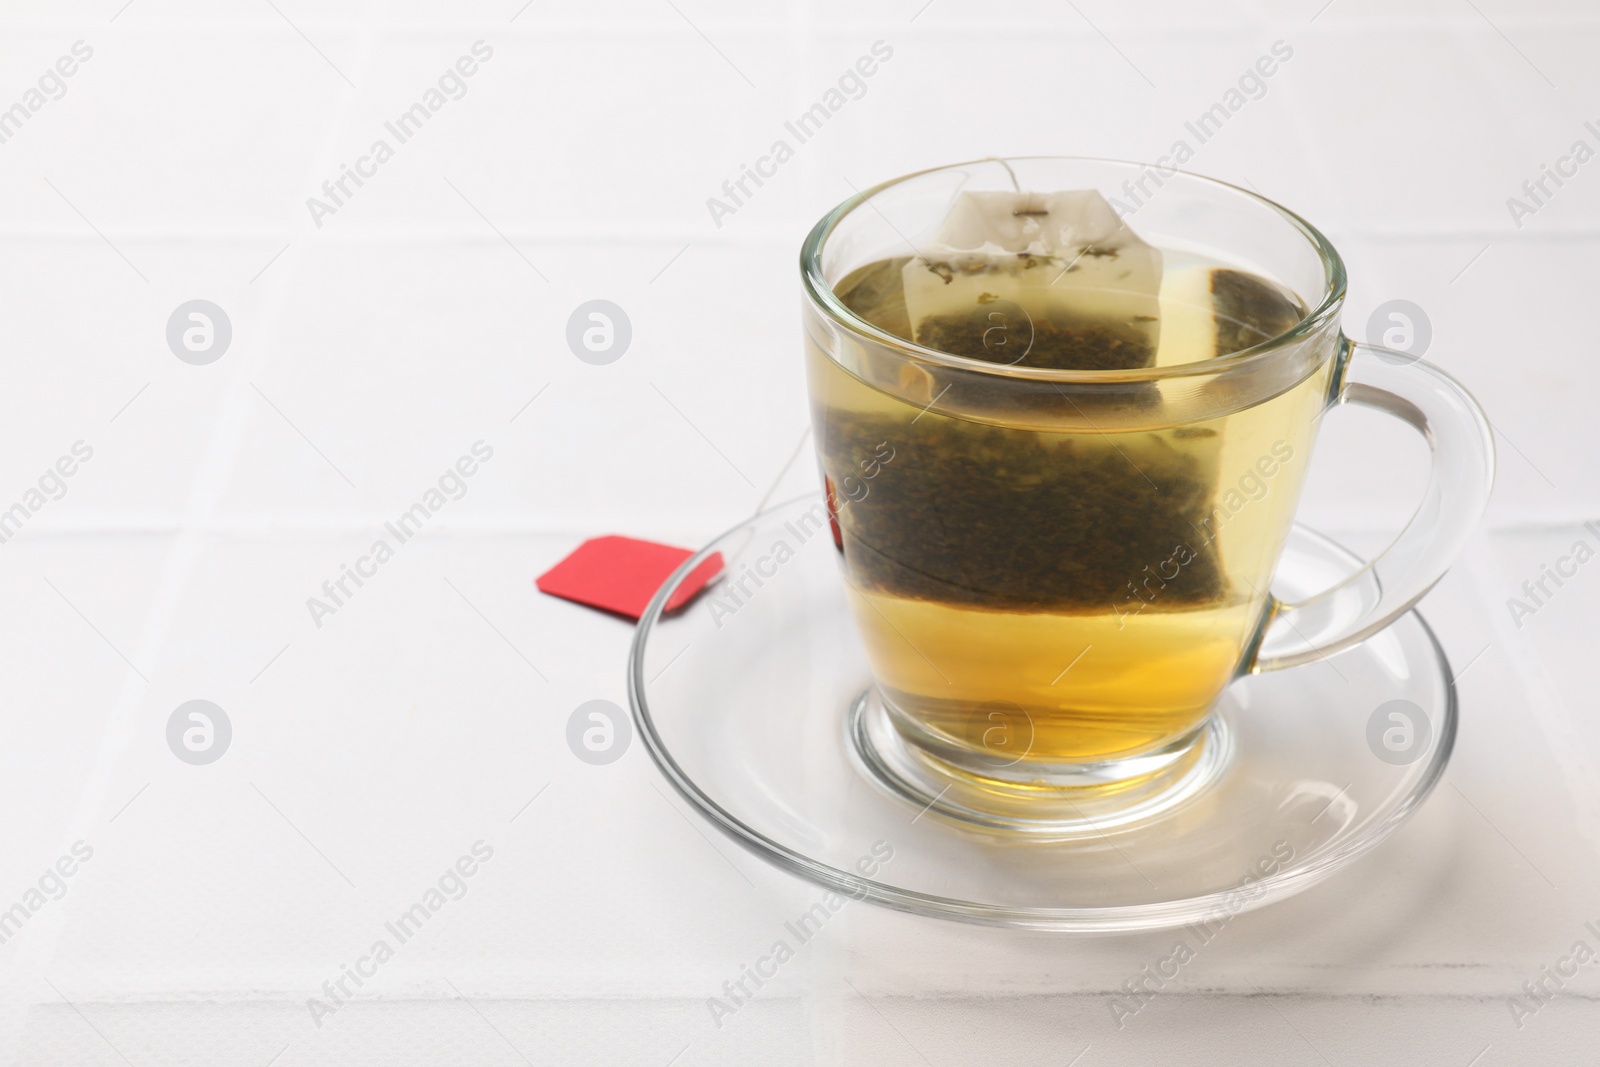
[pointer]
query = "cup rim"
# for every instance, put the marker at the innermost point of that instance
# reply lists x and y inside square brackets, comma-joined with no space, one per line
[822,295]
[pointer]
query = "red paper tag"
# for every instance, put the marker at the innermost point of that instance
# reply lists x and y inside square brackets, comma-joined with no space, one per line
[621,574]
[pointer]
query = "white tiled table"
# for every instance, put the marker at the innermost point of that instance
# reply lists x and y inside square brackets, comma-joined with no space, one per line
[368,754]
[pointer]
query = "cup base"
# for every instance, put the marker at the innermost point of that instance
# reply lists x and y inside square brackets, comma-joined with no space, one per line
[1031,799]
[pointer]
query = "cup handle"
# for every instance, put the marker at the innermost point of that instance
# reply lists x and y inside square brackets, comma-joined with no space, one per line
[1462,445]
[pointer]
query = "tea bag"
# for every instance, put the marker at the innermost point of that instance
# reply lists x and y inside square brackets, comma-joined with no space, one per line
[1000,510]
[1217,311]
[1081,289]
[994,517]
[1248,310]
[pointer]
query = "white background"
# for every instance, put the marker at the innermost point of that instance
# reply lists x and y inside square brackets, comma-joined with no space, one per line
[369,353]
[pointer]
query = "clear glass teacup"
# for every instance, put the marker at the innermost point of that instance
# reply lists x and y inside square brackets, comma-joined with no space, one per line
[1064,409]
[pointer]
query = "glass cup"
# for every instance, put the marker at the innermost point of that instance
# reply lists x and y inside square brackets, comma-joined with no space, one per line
[1060,481]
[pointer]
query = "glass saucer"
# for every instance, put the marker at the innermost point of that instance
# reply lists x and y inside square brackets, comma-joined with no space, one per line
[750,700]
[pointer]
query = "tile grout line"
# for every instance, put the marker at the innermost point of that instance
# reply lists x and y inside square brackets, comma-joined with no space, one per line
[280,526]
[658,230]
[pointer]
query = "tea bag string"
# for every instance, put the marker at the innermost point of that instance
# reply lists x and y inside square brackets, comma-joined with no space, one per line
[1023,208]
[1015,185]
